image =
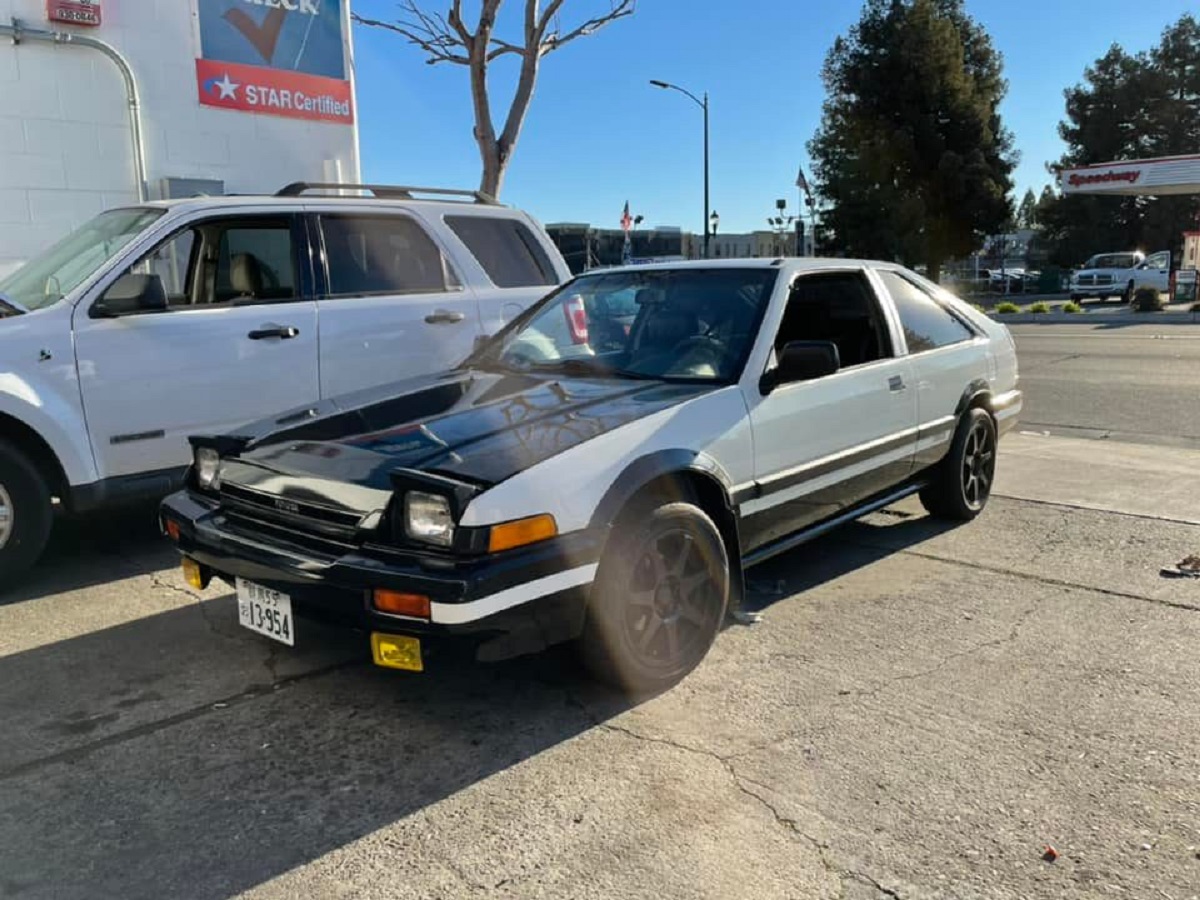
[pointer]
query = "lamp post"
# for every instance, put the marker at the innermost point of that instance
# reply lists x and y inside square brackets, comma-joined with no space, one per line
[703,104]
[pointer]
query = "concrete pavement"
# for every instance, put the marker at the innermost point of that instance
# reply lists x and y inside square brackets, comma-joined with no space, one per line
[922,711]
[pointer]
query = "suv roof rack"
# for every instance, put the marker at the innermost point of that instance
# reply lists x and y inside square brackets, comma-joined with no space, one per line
[384,191]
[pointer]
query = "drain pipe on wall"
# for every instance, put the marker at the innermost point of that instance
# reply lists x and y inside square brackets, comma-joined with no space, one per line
[19,33]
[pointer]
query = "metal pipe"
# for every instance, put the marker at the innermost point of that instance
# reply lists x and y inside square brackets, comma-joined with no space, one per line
[19,32]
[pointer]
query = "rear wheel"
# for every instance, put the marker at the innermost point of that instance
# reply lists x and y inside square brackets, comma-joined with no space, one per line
[962,482]
[658,600]
[25,513]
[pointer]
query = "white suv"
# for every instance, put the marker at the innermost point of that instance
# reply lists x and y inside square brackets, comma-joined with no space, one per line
[585,475]
[154,322]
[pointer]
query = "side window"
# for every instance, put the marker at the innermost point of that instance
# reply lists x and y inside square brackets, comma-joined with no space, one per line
[173,261]
[508,251]
[1160,260]
[255,263]
[381,255]
[840,307]
[927,324]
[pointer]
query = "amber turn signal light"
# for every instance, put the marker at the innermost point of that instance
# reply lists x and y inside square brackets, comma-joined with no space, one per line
[508,535]
[398,603]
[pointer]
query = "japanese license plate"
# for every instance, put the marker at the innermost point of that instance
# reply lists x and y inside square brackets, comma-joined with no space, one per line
[266,611]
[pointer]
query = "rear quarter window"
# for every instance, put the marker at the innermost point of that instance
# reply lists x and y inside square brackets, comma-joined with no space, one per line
[507,249]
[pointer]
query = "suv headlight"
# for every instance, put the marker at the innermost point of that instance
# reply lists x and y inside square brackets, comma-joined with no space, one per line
[427,518]
[207,463]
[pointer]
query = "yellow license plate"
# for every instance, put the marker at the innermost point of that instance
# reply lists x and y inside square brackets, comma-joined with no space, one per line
[397,651]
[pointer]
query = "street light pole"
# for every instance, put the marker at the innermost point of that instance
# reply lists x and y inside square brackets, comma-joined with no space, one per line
[703,104]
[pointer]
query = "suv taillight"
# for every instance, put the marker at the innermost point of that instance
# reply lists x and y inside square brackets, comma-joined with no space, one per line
[577,321]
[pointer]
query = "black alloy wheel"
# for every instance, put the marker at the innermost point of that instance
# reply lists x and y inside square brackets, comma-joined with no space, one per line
[962,483]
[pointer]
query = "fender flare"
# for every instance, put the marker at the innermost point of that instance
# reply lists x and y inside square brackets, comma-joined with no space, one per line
[646,469]
[59,425]
[977,390]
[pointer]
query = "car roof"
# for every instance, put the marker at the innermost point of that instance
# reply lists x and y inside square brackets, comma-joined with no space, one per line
[233,201]
[783,264]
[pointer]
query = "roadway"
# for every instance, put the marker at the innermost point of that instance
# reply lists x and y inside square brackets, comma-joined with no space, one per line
[1134,383]
[922,712]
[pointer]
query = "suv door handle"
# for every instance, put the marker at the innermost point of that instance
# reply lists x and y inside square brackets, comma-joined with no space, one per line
[896,384]
[444,317]
[271,330]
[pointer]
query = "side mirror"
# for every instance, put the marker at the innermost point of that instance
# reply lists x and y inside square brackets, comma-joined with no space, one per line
[802,361]
[131,293]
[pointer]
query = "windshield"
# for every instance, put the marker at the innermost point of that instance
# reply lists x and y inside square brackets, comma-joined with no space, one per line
[1112,261]
[47,278]
[674,324]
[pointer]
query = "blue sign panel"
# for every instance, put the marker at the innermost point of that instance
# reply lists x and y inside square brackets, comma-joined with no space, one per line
[293,35]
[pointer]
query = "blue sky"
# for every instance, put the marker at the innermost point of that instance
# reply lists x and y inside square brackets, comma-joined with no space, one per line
[598,134]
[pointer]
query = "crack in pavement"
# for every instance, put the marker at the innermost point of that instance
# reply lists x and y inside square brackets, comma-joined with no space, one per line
[1039,579]
[740,782]
[248,695]
[1058,504]
[1013,634]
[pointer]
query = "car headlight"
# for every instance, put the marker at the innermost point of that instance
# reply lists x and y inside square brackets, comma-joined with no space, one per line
[427,518]
[208,468]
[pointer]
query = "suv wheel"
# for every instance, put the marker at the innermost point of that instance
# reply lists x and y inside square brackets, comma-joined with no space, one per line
[962,482]
[25,514]
[658,600]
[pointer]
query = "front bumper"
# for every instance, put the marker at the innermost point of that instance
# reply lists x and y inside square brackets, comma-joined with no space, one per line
[506,604]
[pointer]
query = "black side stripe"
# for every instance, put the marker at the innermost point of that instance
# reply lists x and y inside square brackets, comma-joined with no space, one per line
[940,431]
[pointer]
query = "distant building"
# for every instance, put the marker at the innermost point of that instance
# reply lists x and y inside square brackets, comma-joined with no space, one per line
[585,247]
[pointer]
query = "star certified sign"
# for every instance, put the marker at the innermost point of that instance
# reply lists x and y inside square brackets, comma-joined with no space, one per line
[273,92]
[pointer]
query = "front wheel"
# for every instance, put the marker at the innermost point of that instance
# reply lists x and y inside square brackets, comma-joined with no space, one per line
[25,514]
[962,482]
[658,600]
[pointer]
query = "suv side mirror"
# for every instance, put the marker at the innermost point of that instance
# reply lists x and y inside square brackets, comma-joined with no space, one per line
[802,361]
[131,293]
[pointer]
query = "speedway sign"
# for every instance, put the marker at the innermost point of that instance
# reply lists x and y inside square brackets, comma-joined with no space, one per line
[275,57]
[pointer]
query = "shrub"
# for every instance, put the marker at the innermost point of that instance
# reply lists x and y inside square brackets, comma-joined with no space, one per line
[1071,307]
[979,308]
[1040,307]
[1007,307]
[1147,300]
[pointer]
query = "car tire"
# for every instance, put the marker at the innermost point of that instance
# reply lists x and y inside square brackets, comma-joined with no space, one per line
[962,482]
[659,599]
[25,513]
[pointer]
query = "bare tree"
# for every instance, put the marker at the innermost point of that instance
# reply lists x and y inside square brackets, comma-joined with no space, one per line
[447,38]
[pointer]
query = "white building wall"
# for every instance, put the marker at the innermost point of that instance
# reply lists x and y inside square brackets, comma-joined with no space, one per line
[66,149]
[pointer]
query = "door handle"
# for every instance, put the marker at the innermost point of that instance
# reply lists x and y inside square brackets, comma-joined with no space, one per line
[896,384]
[271,330]
[444,317]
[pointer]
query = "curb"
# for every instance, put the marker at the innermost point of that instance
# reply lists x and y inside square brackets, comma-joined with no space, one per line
[1057,318]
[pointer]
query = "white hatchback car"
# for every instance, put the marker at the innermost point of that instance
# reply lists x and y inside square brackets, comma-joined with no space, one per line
[154,322]
[584,476]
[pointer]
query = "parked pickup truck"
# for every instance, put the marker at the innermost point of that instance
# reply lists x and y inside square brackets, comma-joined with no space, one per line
[155,322]
[1108,275]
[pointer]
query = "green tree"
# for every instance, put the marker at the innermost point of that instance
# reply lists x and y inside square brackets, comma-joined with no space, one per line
[1027,211]
[1128,107]
[911,157]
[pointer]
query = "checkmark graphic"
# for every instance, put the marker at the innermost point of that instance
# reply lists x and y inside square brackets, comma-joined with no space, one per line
[264,37]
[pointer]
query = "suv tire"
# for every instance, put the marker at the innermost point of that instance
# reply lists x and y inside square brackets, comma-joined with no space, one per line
[25,513]
[962,482]
[659,598]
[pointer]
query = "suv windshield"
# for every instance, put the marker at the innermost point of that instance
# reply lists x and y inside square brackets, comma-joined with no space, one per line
[1112,261]
[685,324]
[47,278]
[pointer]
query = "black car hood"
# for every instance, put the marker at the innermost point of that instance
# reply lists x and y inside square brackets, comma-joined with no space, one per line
[478,427]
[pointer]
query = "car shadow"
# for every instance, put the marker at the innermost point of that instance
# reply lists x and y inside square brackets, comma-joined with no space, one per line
[838,553]
[176,755]
[95,550]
